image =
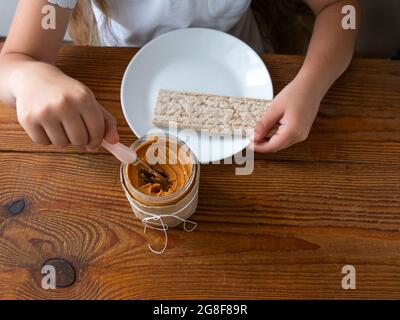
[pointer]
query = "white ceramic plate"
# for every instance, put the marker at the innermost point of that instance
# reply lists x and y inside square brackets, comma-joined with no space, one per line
[197,60]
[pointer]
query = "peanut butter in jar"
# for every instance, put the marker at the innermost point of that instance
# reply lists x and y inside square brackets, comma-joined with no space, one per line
[148,196]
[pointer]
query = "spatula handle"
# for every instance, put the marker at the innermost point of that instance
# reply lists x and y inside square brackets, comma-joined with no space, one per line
[121,152]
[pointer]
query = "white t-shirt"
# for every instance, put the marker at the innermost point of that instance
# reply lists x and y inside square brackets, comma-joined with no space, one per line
[136,22]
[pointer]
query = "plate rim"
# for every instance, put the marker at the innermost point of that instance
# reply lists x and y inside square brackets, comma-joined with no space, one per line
[142,50]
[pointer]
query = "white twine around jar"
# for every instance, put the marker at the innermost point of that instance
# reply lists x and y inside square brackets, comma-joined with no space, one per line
[164,227]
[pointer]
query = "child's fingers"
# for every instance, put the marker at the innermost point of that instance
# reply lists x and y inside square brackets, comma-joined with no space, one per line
[94,122]
[266,123]
[36,133]
[282,139]
[75,129]
[111,131]
[56,133]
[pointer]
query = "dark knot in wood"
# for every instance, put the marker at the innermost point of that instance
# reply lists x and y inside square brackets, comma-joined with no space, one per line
[65,272]
[16,207]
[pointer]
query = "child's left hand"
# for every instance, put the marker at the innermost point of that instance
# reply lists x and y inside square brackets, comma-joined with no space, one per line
[294,109]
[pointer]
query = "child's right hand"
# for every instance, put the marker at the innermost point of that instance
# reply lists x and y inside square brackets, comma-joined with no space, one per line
[54,108]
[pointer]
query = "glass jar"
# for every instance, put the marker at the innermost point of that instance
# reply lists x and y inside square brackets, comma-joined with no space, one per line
[172,208]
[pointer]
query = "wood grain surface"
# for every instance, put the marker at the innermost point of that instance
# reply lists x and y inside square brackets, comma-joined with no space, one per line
[286,231]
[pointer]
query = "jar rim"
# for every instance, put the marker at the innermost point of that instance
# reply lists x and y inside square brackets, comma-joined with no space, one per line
[188,183]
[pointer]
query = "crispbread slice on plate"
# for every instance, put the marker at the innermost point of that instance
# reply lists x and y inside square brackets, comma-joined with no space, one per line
[213,113]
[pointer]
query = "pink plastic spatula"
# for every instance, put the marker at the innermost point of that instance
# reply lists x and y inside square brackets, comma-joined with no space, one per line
[128,156]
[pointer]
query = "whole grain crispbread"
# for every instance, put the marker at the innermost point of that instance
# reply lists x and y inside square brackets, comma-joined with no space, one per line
[213,113]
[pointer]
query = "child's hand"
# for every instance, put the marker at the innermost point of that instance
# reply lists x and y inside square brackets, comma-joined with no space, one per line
[54,108]
[294,109]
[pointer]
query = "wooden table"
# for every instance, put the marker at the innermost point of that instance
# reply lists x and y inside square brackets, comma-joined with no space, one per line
[284,232]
